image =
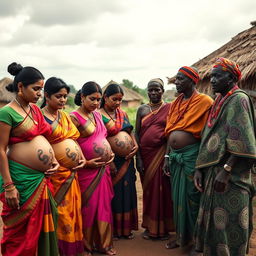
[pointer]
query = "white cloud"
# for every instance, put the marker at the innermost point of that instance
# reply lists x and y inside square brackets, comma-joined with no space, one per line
[82,40]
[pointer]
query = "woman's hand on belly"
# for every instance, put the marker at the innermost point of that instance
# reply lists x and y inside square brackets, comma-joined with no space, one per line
[81,163]
[54,168]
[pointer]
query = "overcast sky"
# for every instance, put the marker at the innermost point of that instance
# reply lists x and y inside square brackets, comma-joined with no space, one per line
[100,40]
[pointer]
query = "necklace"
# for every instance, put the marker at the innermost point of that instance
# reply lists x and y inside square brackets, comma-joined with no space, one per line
[178,102]
[157,106]
[113,119]
[92,119]
[27,113]
[54,118]
[217,106]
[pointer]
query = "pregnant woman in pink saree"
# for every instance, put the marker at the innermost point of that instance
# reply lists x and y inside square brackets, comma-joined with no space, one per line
[94,180]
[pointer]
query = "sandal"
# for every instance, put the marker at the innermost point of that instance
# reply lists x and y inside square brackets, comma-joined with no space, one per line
[171,245]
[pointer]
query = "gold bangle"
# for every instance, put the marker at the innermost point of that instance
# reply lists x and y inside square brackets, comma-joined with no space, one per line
[10,189]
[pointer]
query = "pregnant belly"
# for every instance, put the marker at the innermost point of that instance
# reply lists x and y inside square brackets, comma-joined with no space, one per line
[36,154]
[67,153]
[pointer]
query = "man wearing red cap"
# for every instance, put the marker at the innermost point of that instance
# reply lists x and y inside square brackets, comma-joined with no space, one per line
[186,119]
[224,167]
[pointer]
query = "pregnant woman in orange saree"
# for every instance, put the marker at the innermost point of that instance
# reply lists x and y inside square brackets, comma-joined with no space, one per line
[65,182]
[29,211]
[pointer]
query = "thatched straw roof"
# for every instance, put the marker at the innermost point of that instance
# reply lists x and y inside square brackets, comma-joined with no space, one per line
[242,50]
[5,96]
[129,94]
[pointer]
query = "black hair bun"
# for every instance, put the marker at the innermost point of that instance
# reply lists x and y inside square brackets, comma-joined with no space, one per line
[14,68]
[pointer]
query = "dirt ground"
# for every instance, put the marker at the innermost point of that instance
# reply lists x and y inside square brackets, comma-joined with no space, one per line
[140,247]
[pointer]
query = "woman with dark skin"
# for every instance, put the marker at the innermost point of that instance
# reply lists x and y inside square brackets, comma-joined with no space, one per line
[28,209]
[94,179]
[66,189]
[157,204]
[124,203]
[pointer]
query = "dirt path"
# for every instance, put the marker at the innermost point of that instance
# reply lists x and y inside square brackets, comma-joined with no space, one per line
[141,247]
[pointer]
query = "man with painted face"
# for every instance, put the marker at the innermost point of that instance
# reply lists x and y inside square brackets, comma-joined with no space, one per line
[186,119]
[223,175]
[150,124]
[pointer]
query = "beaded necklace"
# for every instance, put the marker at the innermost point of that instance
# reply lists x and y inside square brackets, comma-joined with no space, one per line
[178,102]
[217,106]
[158,106]
[54,118]
[113,119]
[27,113]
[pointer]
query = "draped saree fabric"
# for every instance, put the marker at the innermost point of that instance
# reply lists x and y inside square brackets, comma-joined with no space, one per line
[185,196]
[29,230]
[96,187]
[224,221]
[67,192]
[157,201]
[124,203]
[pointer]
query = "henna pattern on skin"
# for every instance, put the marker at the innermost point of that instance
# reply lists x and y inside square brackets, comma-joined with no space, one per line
[98,150]
[72,155]
[119,143]
[43,157]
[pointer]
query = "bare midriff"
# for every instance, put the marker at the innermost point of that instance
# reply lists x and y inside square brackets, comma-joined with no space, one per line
[36,154]
[67,153]
[181,139]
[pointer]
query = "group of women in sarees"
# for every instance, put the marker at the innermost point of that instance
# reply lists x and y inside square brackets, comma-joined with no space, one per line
[67,180]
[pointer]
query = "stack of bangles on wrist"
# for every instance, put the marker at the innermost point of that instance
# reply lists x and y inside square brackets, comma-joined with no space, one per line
[9,186]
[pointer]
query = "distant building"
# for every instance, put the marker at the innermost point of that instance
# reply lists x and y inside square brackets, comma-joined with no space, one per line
[131,98]
[242,50]
[5,96]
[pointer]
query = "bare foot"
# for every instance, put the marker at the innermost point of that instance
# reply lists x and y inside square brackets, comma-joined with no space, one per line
[171,245]
[110,252]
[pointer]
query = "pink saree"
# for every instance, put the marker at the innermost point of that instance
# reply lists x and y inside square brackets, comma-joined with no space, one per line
[96,187]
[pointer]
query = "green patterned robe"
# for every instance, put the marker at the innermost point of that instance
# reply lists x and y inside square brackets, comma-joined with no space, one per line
[224,222]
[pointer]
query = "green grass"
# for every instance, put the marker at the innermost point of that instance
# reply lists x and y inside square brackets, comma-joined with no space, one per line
[131,112]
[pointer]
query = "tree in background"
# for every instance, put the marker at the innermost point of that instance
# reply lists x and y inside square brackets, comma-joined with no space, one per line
[129,84]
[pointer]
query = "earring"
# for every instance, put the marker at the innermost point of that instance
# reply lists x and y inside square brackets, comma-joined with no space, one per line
[19,93]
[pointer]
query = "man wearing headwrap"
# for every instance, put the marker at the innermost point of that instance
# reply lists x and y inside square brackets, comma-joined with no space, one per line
[186,119]
[157,202]
[223,167]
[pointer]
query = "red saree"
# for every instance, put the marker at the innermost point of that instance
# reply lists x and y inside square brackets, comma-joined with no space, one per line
[157,204]
[30,230]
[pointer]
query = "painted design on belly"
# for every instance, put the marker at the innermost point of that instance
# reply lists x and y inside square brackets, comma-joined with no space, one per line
[46,159]
[72,155]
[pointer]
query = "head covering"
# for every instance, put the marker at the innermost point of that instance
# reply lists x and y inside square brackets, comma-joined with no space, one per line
[190,72]
[229,66]
[158,81]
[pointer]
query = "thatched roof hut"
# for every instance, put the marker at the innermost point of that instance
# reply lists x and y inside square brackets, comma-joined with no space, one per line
[5,96]
[242,50]
[131,98]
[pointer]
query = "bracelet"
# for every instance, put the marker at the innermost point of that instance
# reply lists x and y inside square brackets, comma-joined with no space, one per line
[166,156]
[8,184]
[10,189]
